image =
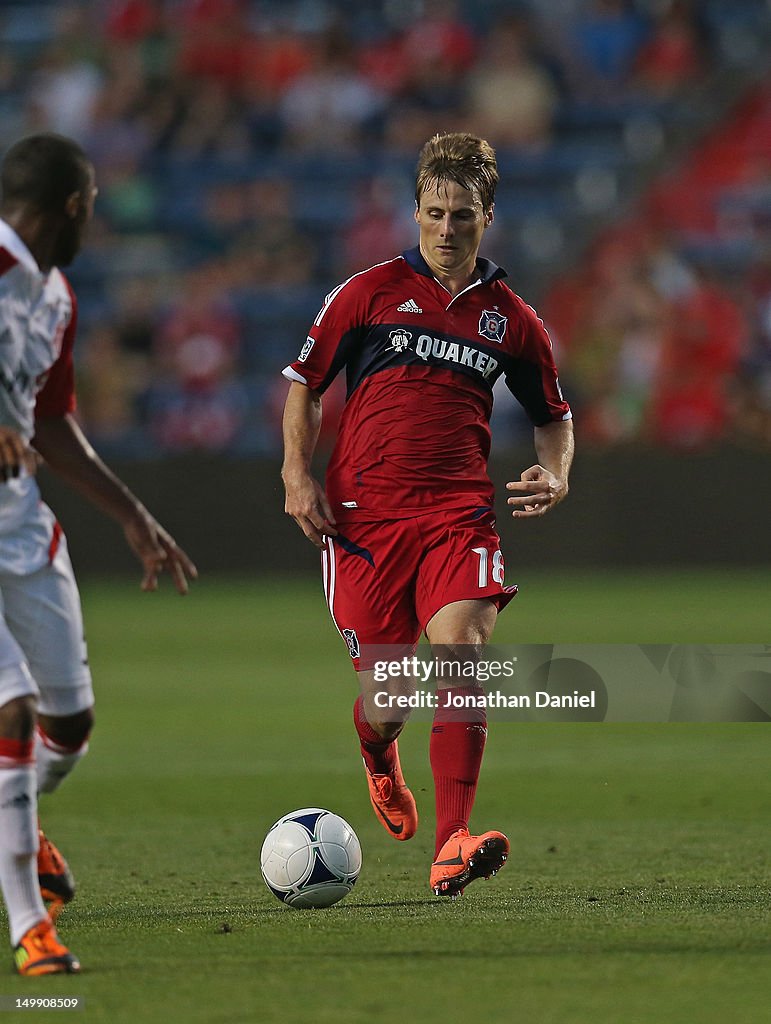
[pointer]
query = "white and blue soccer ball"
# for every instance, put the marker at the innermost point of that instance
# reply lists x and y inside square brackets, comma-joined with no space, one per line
[310,858]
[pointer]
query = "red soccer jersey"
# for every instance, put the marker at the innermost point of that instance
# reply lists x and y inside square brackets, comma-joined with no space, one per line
[421,365]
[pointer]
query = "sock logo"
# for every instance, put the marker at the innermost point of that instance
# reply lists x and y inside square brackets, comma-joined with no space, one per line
[20,800]
[477,728]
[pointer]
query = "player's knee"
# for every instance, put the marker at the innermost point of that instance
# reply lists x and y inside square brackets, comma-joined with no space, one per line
[387,730]
[69,730]
[17,718]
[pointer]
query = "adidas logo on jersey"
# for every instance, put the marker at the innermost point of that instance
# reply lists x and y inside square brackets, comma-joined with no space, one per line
[410,306]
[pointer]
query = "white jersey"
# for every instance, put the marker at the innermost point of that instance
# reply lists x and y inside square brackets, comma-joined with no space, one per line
[36,311]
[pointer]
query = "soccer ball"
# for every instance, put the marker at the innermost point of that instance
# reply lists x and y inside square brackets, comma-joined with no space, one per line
[310,858]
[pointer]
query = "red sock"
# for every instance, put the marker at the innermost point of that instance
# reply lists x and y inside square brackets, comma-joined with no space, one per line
[378,753]
[456,756]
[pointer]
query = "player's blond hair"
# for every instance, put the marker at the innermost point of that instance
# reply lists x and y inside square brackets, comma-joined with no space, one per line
[460,157]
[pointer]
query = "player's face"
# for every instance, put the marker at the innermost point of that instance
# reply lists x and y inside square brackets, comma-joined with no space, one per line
[452,222]
[79,211]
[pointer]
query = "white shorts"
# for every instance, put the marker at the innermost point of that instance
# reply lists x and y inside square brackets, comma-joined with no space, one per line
[42,647]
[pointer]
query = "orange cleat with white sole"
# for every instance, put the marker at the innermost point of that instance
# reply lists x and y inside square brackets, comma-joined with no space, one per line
[57,886]
[393,802]
[464,858]
[40,952]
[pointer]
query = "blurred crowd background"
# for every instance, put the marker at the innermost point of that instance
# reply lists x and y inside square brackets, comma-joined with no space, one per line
[252,154]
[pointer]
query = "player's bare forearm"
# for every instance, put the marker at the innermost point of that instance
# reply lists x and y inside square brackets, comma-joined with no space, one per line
[67,452]
[554,447]
[302,423]
[544,485]
[306,501]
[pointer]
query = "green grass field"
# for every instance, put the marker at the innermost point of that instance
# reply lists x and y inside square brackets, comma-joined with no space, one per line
[638,890]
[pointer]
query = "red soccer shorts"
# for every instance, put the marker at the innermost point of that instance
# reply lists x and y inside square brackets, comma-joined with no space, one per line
[384,581]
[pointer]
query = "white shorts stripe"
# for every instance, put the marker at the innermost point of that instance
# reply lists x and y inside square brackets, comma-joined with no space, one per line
[324,571]
[329,569]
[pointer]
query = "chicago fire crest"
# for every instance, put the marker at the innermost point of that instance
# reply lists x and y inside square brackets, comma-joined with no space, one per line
[493,326]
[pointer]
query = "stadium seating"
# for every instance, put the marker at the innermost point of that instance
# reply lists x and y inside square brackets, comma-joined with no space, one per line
[602,148]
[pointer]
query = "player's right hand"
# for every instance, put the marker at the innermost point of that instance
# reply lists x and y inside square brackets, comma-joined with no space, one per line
[309,506]
[14,453]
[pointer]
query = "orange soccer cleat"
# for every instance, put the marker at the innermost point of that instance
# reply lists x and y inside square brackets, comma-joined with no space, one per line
[41,952]
[57,886]
[393,802]
[465,857]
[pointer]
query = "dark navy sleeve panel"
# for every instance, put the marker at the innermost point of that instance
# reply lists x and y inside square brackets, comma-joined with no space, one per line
[531,375]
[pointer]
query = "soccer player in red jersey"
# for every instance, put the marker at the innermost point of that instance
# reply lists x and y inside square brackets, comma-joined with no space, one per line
[406,523]
[46,697]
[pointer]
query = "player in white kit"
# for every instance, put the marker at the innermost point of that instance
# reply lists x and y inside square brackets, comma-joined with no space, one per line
[46,697]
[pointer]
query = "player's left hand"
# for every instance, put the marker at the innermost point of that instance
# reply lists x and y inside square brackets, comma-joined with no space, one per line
[158,552]
[537,491]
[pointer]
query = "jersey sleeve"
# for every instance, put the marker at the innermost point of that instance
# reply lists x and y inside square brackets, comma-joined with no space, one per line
[57,396]
[332,337]
[532,373]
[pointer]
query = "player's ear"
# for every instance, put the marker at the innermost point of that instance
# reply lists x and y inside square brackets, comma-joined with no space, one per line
[72,205]
[416,214]
[490,216]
